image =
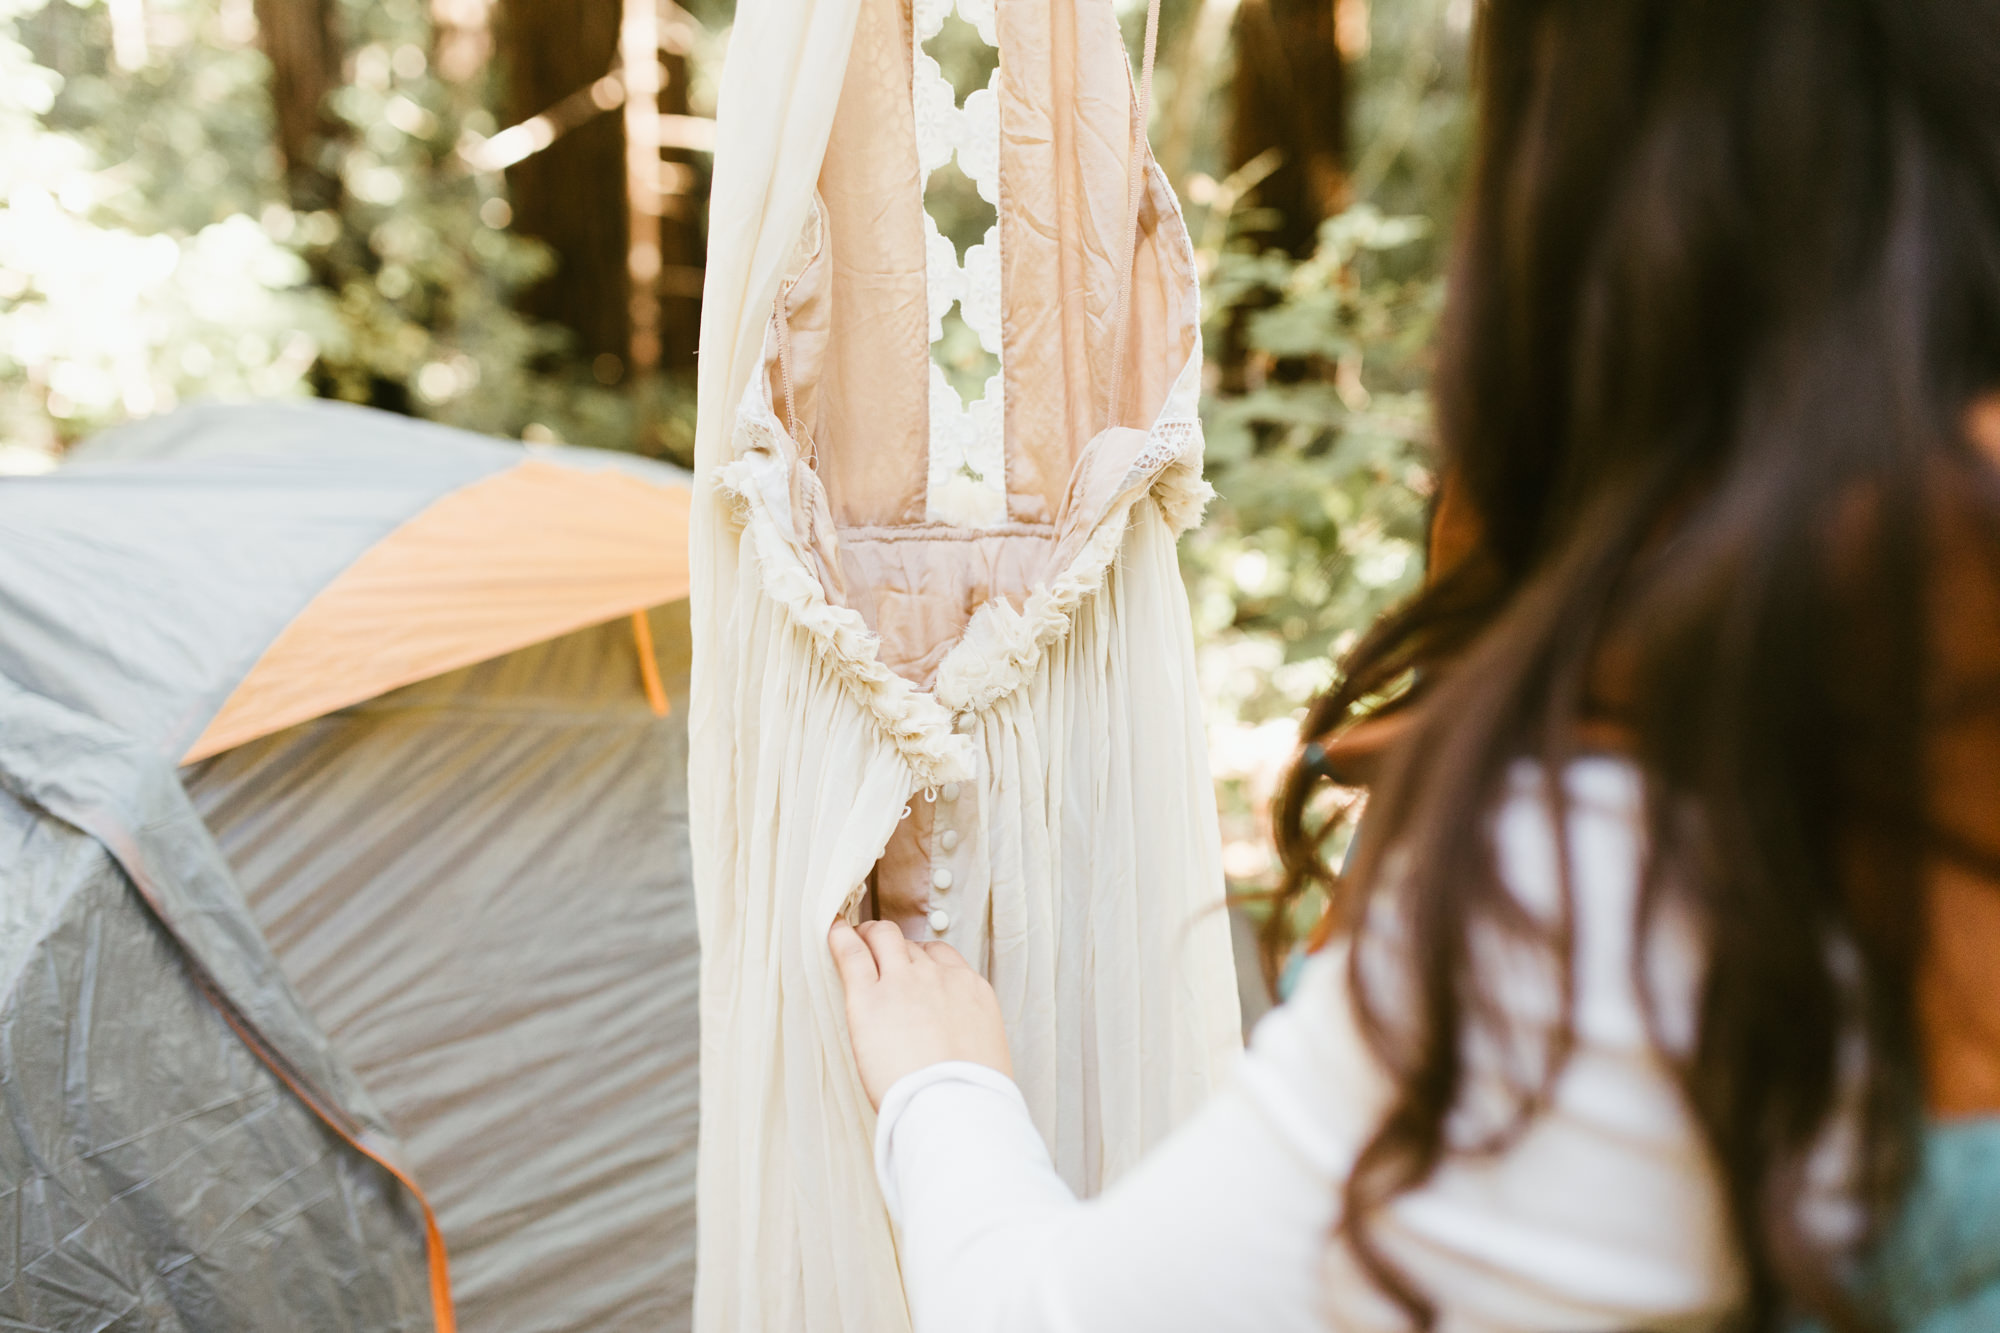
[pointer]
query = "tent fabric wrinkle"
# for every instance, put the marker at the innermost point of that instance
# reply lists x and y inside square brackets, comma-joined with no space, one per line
[985,730]
[87,775]
[212,1202]
[478,886]
[410,970]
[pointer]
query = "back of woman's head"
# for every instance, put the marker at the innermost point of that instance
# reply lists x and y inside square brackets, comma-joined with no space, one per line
[1727,287]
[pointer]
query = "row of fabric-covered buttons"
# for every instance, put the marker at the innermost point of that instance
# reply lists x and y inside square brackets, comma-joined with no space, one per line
[947,839]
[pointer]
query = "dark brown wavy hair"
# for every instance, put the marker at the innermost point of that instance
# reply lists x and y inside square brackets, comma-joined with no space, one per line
[1727,285]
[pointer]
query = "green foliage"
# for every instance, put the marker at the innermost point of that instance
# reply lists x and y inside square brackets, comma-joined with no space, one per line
[133,270]
[418,257]
[1409,120]
[1319,431]
[149,254]
[1318,419]
[1321,459]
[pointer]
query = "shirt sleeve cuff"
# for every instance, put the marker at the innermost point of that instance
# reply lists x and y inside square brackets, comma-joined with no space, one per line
[896,1104]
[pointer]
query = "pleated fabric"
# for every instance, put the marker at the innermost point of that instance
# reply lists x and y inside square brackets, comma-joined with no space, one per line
[1058,738]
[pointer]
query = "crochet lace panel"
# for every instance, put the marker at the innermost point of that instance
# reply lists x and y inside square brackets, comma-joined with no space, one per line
[967,483]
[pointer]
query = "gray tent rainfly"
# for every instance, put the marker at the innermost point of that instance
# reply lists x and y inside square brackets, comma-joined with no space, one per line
[347,952]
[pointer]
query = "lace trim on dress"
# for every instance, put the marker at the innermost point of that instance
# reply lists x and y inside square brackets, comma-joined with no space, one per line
[944,280]
[916,723]
[967,483]
[979,297]
[968,457]
[1001,647]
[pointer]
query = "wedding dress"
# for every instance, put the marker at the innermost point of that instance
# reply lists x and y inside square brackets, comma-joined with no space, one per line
[943,665]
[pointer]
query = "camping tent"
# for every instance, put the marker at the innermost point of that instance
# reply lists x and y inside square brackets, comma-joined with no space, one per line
[344,910]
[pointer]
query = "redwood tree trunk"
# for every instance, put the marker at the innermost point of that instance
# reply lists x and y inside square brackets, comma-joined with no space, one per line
[1290,93]
[571,195]
[683,244]
[300,40]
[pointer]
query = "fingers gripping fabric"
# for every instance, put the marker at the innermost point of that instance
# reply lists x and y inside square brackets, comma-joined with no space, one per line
[974,715]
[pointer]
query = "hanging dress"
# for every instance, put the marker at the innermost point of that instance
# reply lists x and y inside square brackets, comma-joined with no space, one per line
[943,663]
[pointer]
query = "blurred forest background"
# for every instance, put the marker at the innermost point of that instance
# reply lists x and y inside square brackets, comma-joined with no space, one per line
[491,213]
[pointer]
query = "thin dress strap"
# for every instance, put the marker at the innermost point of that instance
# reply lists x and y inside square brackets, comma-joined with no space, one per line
[1121,314]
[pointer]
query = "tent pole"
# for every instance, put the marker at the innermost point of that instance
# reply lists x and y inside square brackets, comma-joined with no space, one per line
[649,666]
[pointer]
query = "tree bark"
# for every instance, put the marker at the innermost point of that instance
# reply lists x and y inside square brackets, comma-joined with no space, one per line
[300,39]
[683,243]
[1290,93]
[571,195]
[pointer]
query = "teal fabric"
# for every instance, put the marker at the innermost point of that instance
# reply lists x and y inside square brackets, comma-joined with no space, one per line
[1938,1269]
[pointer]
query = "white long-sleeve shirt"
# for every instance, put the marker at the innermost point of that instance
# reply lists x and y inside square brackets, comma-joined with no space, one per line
[1605,1215]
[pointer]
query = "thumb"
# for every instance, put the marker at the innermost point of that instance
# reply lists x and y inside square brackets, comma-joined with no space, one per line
[852,958]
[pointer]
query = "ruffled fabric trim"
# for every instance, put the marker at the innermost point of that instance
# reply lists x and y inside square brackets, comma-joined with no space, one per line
[1001,648]
[915,722]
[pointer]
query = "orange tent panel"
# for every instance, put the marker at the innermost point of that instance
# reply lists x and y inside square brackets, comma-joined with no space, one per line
[528,554]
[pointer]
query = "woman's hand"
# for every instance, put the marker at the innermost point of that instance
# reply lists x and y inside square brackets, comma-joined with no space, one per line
[911,1005]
